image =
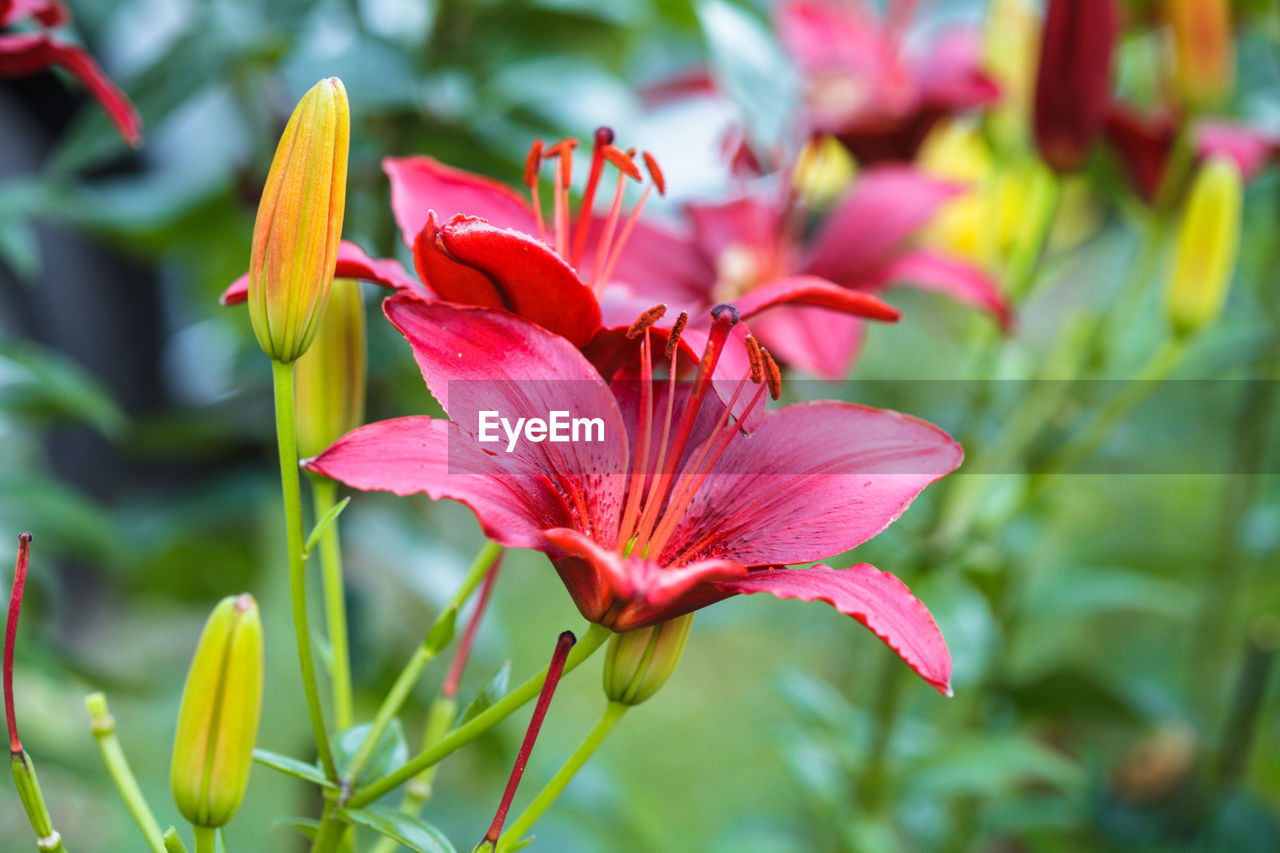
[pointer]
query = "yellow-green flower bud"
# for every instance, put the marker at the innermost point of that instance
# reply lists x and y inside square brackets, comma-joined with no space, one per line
[218,720]
[295,238]
[1207,242]
[330,376]
[639,662]
[1204,50]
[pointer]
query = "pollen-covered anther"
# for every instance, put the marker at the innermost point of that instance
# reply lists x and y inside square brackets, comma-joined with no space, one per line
[564,150]
[646,320]
[772,374]
[673,339]
[533,163]
[757,363]
[624,161]
[655,172]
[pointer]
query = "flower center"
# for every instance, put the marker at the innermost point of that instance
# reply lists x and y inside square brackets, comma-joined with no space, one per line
[569,237]
[660,489]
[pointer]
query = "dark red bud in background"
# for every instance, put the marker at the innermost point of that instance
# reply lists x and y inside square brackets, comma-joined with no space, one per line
[1073,80]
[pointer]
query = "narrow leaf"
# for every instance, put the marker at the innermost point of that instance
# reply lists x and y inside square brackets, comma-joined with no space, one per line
[293,767]
[405,830]
[323,524]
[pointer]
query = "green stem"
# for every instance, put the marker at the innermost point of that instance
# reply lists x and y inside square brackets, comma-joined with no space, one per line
[173,841]
[206,839]
[282,374]
[324,493]
[612,714]
[332,829]
[48,839]
[440,716]
[478,725]
[412,671]
[103,727]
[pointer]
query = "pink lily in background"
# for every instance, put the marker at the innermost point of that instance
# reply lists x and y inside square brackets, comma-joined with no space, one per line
[865,90]
[675,508]
[30,52]
[756,246]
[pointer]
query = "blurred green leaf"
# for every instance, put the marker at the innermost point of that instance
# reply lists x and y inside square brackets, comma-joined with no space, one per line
[404,829]
[493,690]
[992,765]
[1083,591]
[41,385]
[391,752]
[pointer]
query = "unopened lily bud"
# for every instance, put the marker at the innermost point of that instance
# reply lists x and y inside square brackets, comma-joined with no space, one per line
[330,377]
[1204,50]
[295,237]
[1207,242]
[639,662]
[218,720]
[1073,79]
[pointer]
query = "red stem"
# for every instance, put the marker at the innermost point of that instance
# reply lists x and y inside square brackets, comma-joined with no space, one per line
[554,671]
[459,665]
[10,634]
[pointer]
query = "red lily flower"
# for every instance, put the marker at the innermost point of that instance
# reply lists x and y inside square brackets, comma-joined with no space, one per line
[864,90]
[1144,142]
[675,508]
[758,253]
[26,53]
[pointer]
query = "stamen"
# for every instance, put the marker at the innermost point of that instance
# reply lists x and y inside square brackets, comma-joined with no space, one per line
[773,373]
[655,173]
[757,366]
[11,635]
[639,476]
[606,237]
[554,671]
[624,162]
[532,166]
[673,339]
[646,320]
[603,138]
[626,235]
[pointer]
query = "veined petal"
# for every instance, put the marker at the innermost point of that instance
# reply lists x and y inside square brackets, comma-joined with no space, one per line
[886,206]
[817,293]
[876,599]
[420,185]
[29,53]
[926,270]
[531,279]
[425,455]
[483,360]
[352,262]
[625,593]
[811,480]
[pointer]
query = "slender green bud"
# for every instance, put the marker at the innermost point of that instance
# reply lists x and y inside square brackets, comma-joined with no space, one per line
[1207,243]
[218,720]
[24,779]
[330,376]
[295,238]
[639,662]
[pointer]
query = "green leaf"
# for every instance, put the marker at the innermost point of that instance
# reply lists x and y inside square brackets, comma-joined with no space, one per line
[293,767]
[993,765]
[493,690]
[307,826]
[391,753]
[323,524]
[405,830]
[441,633]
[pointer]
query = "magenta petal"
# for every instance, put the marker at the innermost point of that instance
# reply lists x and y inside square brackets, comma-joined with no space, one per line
[1249,147]
[811,481]
[29,53]
[352,263]
[423,455]
[748,223]
[531,279]
[818,342]
[951,76]
[821,35]
[876,599]
[51,13]
[423,184]
[815,292]
[478,360]
[886,206]
[961,281]
[656,261]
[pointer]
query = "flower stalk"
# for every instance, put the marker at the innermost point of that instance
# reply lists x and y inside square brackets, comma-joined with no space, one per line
[103,727]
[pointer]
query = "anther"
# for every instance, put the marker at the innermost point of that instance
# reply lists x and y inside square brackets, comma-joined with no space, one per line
[673,339]
[655,173]
[773,374]
[623,161]
[532,163]
[757,363]
[646,320]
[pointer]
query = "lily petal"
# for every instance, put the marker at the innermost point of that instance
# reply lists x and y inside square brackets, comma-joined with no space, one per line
[926,270]
[811,480]
[531,279]
[877,599]
[818,293]
[886,206]
[29,53]
[51,13]
[352,263]
[420,185]
[819,342]
[424,455]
